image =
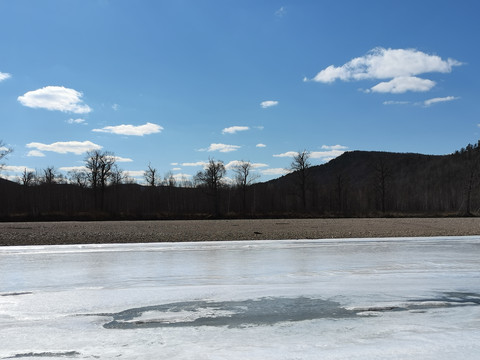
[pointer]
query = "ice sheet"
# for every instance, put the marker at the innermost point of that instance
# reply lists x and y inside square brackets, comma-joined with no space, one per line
[305,299]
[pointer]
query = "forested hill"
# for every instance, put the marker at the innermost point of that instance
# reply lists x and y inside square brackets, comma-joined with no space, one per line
[361,183]
[357,183]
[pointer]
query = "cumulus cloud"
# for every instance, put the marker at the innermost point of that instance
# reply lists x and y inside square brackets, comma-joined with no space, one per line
[234,129]
[55,98]
[121,159]
[133,130]
[439,99]
[224,148]
[4,76]
[400,65]
[64,147]
[260,145]
[287,154]
[198,163]
[403,84]
[35,153]
[268,103]
[17,169]
[234,163]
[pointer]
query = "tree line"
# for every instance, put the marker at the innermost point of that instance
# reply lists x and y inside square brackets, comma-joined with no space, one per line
[357,183]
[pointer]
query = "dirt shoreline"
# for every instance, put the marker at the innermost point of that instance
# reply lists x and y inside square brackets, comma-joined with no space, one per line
[55,233]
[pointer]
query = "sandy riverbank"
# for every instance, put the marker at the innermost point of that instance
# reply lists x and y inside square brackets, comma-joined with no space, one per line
[49,233]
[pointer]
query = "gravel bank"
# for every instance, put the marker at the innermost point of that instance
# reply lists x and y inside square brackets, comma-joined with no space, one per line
[50,233]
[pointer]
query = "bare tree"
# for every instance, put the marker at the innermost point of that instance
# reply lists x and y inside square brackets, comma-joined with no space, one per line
[99,169]
[117,175]
[300,166]
[78,177]
[27,178]
[50,176]
[211,179]
[244,177]
[169,179]
[4,151]
[151,175]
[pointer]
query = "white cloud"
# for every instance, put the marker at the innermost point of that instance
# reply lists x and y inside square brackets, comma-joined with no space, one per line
[4,76]
[139,130]
[135,173]
[234,163]
[392,102]
[332,151]
[400,65]
[77,121]
[439,99]
[198,163]
[382,63]
[17,169]
[224,148]
[180,177]
[287,154]
[326,155]
[403,84]
[122,159]
[176,169]
[260,145]
[268,104]
[64,147]
[275,171]
[234,129]
[55,98]
[35,153]
[115,107]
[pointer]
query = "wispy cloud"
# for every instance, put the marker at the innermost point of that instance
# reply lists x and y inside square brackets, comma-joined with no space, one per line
[64,147]
[77,121]
[234,129]
[16,169]
[268,103]
[286,154]
[115,107]
[399,65]
[4,76]
[234,163]
[55,98]
[274,171]
[224,148]
[392,102]
[281,12]
[430,102]
[122,159]
[331,152]
[132,130]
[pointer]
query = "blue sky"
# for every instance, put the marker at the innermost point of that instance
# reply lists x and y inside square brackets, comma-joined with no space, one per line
[174,83]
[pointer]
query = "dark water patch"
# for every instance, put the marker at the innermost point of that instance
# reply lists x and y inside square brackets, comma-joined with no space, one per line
[234,314]
[44,354]
[17,293]
[267,311]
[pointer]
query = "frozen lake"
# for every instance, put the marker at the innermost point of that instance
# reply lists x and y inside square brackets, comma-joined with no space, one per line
[415,298]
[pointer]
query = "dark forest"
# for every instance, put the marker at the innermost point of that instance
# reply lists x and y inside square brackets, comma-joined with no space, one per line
[356,184]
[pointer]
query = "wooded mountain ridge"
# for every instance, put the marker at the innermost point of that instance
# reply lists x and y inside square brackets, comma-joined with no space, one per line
[355,184]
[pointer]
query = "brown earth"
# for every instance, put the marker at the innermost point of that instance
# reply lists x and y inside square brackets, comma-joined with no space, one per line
[49,233]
